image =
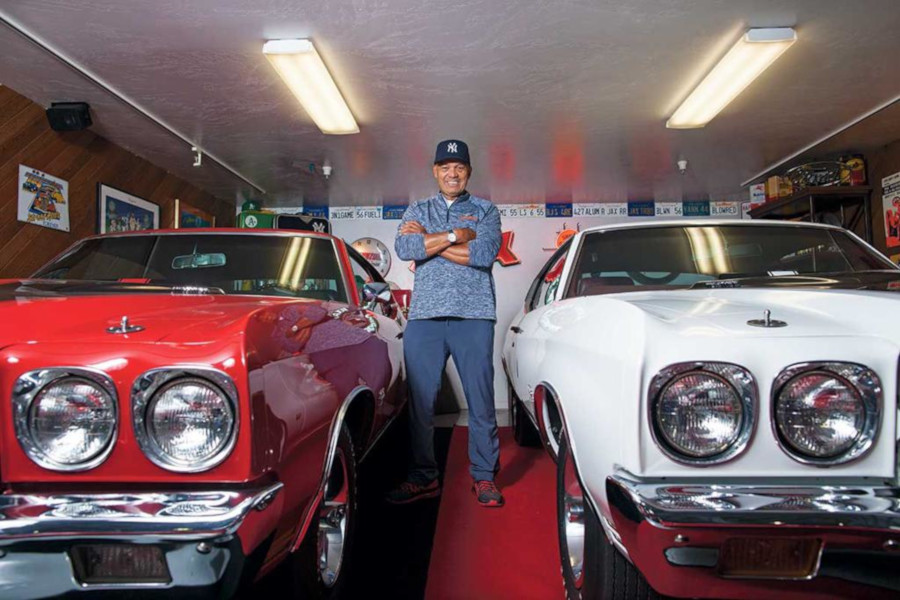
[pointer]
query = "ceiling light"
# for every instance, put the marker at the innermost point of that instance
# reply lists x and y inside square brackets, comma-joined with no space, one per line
[301,67]
[754,52]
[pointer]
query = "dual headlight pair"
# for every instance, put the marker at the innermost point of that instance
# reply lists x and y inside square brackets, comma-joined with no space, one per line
[823,413]
[184,419]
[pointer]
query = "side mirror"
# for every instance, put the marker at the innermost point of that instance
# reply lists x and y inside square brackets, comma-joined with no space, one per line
[376,292]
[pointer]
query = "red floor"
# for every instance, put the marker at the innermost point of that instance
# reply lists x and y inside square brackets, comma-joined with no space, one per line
[496,553]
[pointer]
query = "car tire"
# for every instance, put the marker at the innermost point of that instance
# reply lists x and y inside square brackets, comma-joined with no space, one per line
[322,562]
[524,431]
[592,568]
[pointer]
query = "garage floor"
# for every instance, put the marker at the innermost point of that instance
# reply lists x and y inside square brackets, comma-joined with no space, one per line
[450,548]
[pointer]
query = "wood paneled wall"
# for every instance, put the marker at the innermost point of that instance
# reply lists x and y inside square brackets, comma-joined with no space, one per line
[84,160]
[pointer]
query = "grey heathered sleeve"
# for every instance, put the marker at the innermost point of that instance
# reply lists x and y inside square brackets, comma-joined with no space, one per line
[412,245]
[484,248]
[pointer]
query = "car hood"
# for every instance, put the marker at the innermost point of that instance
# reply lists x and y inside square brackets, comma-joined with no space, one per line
[792,312]
[41,311]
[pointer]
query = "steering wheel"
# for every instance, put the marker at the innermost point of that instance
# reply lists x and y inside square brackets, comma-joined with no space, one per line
[642,278]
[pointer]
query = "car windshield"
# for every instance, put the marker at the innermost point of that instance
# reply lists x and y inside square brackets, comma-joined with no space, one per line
[273,265]
[678,257]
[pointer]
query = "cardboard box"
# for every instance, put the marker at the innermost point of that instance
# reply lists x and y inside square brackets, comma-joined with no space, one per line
[772,186]
[757,193]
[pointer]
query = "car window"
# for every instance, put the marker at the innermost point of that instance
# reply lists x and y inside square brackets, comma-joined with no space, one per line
[681,256]
[300,266]
[544,286]
[363,273]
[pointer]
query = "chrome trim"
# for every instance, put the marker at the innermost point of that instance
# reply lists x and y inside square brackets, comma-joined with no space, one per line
[673,503]
[333,434]
[550,444]
[866,383]
[145,388]
[740,379]
[124,327]
[335,512]
[176,515]
[573,527]
[767,321]
[30,384]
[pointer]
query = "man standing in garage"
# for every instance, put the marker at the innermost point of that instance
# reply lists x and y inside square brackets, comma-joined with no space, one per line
[454,238]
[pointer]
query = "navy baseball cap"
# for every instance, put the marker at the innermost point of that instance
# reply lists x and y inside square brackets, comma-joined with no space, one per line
[452,150]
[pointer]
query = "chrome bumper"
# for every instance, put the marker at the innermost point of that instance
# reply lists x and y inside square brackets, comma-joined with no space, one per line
[673,534]
[197,532]
[735,505]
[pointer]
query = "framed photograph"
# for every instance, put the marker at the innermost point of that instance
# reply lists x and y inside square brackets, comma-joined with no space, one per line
[187,216]
[121,211]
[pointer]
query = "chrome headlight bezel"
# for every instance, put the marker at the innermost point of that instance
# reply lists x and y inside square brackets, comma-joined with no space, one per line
[862,379]
[26,389]
[145,388]
[744,386]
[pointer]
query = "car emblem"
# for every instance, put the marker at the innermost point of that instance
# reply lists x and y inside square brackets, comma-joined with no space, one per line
[768,321]
[124,327]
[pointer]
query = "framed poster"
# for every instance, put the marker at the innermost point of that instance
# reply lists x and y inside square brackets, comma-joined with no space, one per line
[121,211]
[186,216]
[43,199]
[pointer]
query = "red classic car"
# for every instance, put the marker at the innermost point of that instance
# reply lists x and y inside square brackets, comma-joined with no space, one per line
[185,409]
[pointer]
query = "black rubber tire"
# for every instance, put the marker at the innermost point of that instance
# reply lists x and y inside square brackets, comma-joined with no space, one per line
[607,574]
[524,431]
[307,578]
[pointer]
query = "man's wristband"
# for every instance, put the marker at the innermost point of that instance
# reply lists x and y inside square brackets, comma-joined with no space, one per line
[451,236]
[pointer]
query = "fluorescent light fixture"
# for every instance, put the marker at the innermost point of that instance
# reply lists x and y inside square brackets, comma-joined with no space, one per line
[750,56]
[301,67]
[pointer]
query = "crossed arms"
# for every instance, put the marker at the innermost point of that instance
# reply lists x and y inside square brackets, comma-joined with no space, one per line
[474,247]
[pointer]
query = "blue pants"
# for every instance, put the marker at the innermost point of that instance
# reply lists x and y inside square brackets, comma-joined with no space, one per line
[426,345]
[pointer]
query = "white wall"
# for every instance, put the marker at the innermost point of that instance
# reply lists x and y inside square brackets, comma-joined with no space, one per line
[534,242]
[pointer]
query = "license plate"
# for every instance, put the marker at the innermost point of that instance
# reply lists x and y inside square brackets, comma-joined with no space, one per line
[770,558]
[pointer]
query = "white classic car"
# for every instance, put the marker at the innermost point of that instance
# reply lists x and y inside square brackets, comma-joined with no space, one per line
[720,400]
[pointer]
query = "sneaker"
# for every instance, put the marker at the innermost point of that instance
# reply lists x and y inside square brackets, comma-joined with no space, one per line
[410,491]
[487,493]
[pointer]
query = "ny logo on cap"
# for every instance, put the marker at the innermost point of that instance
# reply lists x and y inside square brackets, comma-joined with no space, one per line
[451,147]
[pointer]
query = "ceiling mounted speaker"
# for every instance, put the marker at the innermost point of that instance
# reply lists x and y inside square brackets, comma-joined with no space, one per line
[69,116]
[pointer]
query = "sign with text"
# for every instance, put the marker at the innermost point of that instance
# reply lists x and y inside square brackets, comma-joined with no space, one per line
[392,212]
[695,208]
[558,209]
[342,213]
[668,209]
[521,210]
[643,208]
[725,209]
[368,212]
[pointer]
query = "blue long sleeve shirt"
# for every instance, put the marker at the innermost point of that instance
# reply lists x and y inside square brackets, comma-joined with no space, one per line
[443,288]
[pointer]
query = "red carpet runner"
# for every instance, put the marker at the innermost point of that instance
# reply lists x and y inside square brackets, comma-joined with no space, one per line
[497,553]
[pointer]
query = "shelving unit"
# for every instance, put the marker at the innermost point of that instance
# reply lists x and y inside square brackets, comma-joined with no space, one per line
[849,206]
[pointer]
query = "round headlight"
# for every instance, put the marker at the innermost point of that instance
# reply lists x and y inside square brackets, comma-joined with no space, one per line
[819,415]
[190,423]
[699,415]
[71,421]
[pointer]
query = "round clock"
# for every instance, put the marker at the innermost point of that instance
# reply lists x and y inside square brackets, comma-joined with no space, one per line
[375,252]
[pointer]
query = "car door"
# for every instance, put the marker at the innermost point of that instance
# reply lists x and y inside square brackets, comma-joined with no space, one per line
[523,347]
[389,325]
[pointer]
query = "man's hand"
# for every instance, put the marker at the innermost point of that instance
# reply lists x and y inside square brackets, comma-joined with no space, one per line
[464,234]
[411,227]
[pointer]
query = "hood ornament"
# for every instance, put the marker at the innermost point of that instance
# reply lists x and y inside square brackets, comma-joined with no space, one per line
[767,322]
[124,327]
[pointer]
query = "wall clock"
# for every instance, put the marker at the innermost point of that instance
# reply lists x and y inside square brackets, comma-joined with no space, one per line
[375,252]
